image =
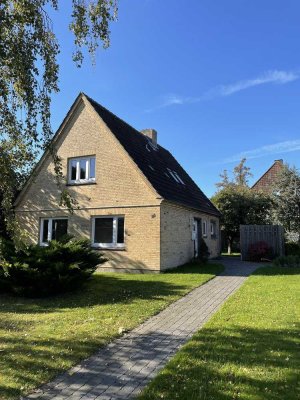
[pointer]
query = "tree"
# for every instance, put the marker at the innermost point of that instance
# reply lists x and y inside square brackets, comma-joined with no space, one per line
[239,205]
[13,176]
[286,195]
[241,174]
[29,76]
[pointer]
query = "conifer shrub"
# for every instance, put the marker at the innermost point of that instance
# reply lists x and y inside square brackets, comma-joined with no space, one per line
[37,271]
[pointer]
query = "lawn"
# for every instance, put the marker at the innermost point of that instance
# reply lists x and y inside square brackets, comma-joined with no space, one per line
[250,349]
[238,255]
[42,337]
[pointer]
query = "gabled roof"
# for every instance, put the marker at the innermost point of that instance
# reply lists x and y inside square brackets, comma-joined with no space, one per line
[266,181]
[155,163]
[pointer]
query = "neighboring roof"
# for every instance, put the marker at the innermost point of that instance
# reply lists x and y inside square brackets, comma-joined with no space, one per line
[154,162]
[266,181]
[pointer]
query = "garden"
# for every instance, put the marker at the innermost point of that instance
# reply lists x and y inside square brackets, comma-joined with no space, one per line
[55,310]
[249,349]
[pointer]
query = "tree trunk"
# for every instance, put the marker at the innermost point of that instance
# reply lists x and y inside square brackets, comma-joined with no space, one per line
[229,248]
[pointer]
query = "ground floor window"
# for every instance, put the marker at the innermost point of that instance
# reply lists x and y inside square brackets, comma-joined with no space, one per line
[108,232]
[52,229]
[204,228]
[213,228]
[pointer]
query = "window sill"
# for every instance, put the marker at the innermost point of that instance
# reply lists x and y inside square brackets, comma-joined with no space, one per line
[205,236]
[81,183]
[109,248]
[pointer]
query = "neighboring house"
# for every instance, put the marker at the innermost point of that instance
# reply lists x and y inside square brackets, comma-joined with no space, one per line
[135,202]
[266,181]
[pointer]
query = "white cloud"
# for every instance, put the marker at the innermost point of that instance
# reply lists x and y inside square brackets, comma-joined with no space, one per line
[276,148]
[276,77]
[172,99]
[269,77]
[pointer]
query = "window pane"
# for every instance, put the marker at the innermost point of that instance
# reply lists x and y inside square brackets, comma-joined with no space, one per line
[82,164]
[120,238]
[45,225]
[103,230]
[59,228]
[92,168]
[73,170]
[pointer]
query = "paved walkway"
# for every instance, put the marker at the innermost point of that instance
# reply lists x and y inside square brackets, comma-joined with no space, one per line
[123,368]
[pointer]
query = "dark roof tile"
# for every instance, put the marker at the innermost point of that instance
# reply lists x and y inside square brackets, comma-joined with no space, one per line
[155,162]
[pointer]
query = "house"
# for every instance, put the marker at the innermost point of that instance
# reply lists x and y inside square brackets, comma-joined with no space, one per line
[265,182]
[135,201]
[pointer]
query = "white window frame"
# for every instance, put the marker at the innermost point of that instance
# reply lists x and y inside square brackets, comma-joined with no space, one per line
[114,244]
[204,228]
[49,234]
[87,179]
[213,228]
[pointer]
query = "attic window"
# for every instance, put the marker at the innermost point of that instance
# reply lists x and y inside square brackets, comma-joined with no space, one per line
[175,176]
[82,170]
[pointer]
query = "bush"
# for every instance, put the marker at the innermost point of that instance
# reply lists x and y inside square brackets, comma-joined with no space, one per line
[203,252]
[259,250]
[287,261]
[292,249]
[42,271]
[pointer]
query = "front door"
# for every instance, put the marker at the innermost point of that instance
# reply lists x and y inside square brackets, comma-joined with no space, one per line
[196,236]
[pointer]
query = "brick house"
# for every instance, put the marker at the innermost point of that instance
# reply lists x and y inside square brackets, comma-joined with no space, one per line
[265,182]
[135,202]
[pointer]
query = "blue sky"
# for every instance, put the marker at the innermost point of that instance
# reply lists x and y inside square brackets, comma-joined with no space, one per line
[218,80]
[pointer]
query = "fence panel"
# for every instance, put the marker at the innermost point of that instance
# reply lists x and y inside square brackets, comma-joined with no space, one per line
[273,235]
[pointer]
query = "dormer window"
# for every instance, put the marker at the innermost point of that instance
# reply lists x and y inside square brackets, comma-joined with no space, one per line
[82,170]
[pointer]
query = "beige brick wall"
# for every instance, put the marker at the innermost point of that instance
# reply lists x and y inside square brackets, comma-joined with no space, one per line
[119,184]
[120,189]
[142,233]
[118,180]
[177,246]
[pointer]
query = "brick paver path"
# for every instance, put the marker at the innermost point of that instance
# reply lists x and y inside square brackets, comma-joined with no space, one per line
[121,369]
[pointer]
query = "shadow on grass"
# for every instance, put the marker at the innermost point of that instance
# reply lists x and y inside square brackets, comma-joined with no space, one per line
[102,289]
[99,290]
[28,363]
[231,364]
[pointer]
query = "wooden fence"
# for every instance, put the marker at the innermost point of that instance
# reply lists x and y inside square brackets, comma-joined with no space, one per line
[271,234]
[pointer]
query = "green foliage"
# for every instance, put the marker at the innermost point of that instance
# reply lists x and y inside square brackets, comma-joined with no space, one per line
[42,271]
[291,261]
[203,251]
[286,195]
[240,205]
[292,249]
[46,336]
[241,174]
[248,350]
[29,73]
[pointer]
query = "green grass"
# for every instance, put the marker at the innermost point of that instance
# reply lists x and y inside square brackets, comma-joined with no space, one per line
[250,349]
[42,337]
[231,255]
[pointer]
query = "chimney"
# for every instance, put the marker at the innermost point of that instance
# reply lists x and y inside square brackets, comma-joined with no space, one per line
[151,134]
[279,161]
